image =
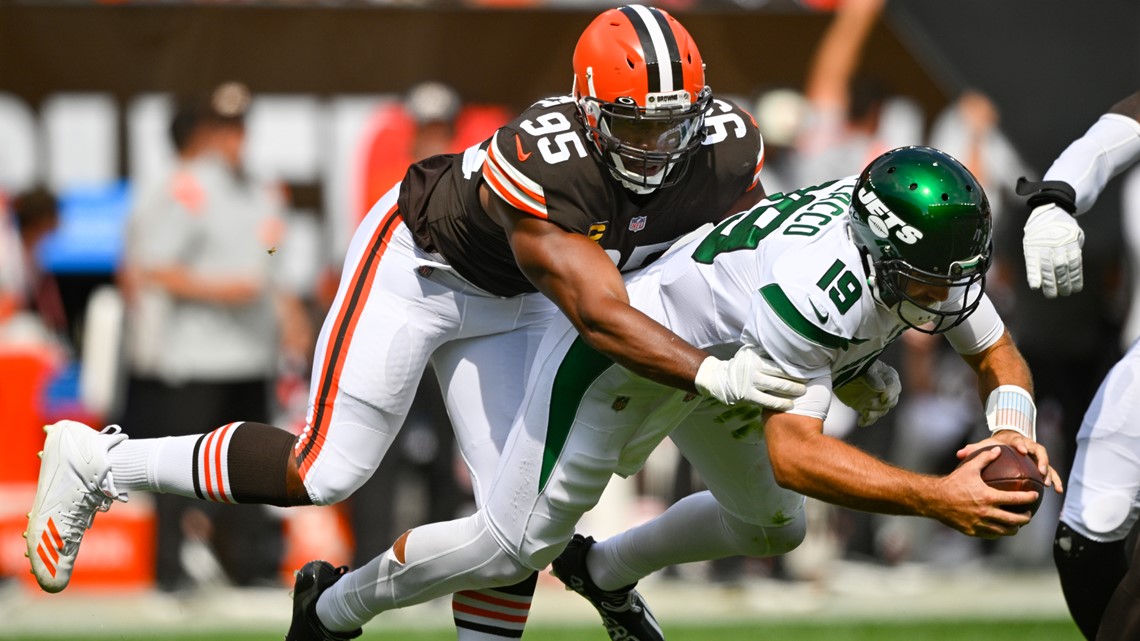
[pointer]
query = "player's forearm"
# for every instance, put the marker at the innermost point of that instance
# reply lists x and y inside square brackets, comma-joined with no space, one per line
[806,461]
[578,275]
[181,283]
[839,50]
[1000,364]
[640,344]
[1110,145]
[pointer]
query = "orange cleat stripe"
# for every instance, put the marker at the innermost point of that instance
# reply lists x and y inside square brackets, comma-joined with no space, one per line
[47,562]
[56,538]
[49,547]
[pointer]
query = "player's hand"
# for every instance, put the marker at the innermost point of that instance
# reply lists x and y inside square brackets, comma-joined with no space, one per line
[1024,445]
[964,502]
[873,394]
[749,377]
[1052,244]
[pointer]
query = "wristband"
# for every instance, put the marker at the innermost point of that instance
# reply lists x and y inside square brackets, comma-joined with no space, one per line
[1010,407]
[1057,192]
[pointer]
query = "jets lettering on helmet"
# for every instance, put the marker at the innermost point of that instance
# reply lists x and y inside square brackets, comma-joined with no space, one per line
[882,219]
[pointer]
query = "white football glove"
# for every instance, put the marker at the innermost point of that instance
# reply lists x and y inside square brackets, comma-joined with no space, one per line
[748,376]
[1052,245]
[873,394]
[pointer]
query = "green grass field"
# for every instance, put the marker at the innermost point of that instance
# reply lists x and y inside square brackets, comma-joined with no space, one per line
[946,630]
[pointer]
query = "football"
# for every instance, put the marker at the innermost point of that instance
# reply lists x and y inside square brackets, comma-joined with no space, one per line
[1012,471]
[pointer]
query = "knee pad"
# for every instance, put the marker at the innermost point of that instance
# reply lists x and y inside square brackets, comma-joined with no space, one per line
[767,540]
[1107,517]
[494,567]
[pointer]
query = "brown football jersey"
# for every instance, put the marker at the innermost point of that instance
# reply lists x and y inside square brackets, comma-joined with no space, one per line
[544,164]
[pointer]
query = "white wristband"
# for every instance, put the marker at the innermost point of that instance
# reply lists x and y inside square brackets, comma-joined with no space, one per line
[1010,407]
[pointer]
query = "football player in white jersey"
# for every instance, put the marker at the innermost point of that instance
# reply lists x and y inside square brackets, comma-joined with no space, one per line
[1103,503]
[820,281]
[464,263]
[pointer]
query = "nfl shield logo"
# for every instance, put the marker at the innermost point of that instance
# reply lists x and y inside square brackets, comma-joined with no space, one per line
[638,223]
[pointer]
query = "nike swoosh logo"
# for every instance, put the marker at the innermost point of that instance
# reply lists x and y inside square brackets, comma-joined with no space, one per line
[821,316]
[518,146]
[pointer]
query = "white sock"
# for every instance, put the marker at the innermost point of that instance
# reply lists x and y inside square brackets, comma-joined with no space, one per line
[155,465]
[440,559]
[464,634]
[345,607]
[692,529]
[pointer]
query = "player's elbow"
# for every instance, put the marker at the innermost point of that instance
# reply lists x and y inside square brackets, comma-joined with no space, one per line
[784,461]
[597,323]
[786,472]
[794,443]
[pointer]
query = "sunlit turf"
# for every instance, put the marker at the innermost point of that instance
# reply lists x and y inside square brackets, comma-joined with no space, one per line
[941,630]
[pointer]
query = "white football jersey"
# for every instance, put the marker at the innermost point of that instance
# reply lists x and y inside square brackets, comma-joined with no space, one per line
[786,277]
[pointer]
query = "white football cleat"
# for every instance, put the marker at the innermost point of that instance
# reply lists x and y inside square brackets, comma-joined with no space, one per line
[75,481]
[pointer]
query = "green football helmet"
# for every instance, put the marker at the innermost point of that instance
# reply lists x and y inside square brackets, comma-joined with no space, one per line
[923,224]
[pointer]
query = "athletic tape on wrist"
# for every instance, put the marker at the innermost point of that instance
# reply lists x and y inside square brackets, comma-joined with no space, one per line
[1010,407]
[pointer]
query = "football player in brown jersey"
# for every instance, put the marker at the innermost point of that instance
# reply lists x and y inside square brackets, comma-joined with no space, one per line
[463,264]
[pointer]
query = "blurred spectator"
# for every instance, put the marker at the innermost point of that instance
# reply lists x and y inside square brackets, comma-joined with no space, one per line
[207,322]
[969,129]
[844,127]
[1130,224]
[30,303]
[431,119]
[779,115]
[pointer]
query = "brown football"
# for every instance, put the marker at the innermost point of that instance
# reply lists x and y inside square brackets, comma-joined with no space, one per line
[1012,471]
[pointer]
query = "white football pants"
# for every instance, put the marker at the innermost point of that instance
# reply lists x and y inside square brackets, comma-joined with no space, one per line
[583,420]
[1102,500]
[398,306]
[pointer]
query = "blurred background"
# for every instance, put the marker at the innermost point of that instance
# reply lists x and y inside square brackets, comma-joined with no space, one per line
[328,101]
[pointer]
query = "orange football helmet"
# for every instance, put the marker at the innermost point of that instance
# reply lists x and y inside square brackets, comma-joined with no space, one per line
[639,83]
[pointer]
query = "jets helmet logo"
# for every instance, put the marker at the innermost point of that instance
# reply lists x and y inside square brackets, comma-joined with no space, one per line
[882,220]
